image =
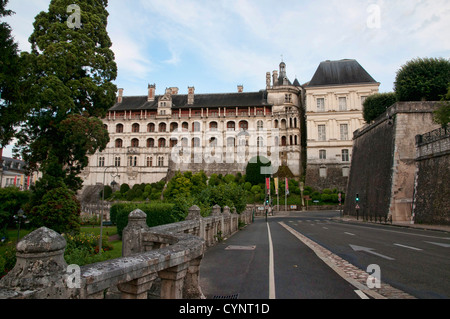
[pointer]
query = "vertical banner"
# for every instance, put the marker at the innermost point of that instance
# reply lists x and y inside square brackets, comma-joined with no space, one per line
[28,182]
[15,180]
[268,185]
[287,186]
[275,180]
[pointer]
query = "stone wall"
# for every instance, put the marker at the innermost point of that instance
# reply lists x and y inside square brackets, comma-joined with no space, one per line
[383,163]
[432,188]
[170,254]
[334,177]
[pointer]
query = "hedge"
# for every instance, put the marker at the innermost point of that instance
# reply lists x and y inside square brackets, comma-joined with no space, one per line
[157,214]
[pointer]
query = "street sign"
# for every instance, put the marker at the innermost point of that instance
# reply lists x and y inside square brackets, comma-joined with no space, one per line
[357,206]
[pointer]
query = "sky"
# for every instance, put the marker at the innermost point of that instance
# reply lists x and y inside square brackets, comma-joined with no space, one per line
[215,45]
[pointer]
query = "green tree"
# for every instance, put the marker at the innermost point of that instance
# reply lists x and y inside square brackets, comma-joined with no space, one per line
[424,79]
[254,172]
[442,114]
[377,104]
[11,110]
[68,76]
[59,210]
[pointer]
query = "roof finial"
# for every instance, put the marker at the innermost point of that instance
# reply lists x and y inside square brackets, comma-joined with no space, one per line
[282,58]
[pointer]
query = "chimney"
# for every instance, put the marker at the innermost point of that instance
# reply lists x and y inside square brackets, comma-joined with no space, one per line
[174,90]
[240,88]
[120,97]
[151,92]
[268,80]
[191,91]
[275,77]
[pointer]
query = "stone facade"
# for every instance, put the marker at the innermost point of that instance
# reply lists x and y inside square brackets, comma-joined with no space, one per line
[334,110]
[155,135]
[383,166]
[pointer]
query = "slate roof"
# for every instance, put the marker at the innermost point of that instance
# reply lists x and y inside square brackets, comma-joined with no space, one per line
[243,99]
[339,73]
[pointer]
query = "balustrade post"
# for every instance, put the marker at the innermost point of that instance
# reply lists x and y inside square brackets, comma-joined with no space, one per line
[138,288]
[192,288]
[172,281]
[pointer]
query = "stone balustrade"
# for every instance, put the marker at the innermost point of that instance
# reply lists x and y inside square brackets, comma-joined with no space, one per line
[170,253]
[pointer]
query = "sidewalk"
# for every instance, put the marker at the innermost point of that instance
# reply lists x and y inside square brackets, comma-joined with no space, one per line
[353,219]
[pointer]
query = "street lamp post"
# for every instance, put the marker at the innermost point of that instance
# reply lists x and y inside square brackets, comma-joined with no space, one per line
[20,215]
[103,204]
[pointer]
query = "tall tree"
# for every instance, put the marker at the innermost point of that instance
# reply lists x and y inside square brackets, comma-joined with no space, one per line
[69,75]
[10,114]
[424,79]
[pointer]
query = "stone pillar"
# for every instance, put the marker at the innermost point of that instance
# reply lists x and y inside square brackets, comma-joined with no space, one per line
[226,229]
[132,242]
[172,281]
[40,269]
[194,213]
[192,288]
[138,288]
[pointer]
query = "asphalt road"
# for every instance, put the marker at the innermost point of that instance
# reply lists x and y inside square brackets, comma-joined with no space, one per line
[265,261]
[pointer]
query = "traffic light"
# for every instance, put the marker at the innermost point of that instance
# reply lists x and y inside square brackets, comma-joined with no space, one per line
[267,201]
[357,198]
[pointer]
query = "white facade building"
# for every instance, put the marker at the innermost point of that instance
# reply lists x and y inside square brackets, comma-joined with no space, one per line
[334,110]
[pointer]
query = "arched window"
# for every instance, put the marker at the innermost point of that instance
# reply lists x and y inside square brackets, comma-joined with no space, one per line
[243,125]
[150,127]
[260,141]
[162,127]
[119,143]
[196,142]
[135,128]
[173,126]
[134,142]
[275,125]
[196,127]
[149,161]
[162,142]
[283,124]
[184,142]
[231,126]
[283,141]
[185,126]
[150,142]
[119,128]
[213,126]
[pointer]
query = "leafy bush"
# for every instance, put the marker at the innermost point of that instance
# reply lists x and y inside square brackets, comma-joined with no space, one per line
[377,104]
[11,200]
[157,214]
[7,260]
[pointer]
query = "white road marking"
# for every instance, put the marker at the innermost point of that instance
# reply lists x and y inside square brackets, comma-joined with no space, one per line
[439,244]
[361,294]
[325,227]
[349,234]
[271,267]
[409,247]
[370,251]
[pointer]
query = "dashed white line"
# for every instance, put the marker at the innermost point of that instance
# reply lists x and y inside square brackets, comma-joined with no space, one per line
[349,234]
[409,247]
